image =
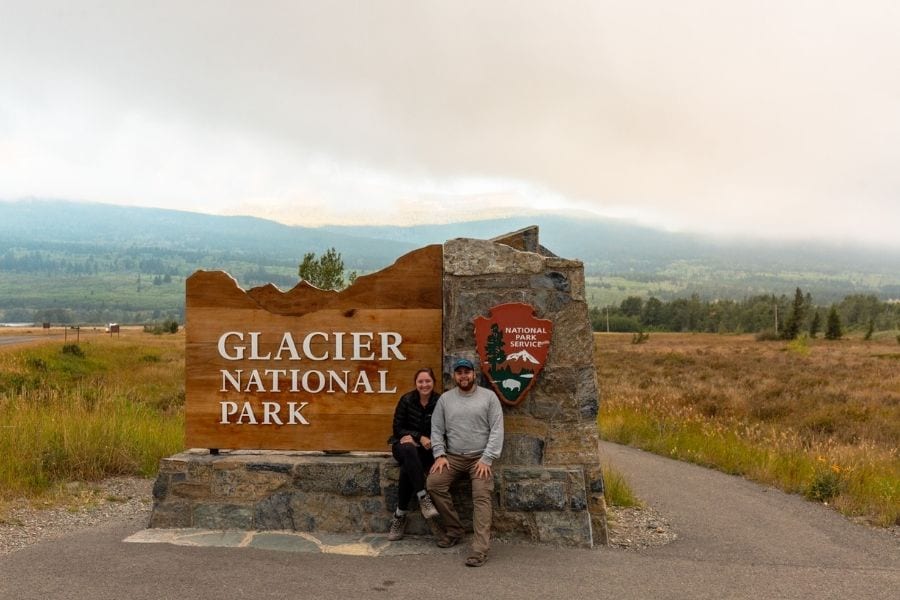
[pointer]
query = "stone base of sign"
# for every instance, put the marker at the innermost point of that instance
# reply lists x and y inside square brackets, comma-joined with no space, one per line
[312,493]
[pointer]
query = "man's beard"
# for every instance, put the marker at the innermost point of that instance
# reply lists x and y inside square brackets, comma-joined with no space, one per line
[468,386]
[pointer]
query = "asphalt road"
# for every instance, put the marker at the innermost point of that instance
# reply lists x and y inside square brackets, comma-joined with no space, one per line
[14,340]
[736,540]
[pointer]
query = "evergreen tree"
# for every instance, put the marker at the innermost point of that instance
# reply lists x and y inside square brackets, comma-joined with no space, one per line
[631,306]
[652,313]
[796,317]
[325,272]
[815,325]
[808,310]
[870,330]
[833,330]
[494,347]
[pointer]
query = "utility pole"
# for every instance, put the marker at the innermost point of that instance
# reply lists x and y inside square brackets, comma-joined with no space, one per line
[776,318]
[607,319]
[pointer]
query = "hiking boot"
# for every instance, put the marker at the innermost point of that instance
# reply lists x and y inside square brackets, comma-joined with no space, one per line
[427,507]
[398,526]
[436,530]
[476,559]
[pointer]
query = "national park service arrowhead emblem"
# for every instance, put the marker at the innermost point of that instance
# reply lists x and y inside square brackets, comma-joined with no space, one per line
[513,346]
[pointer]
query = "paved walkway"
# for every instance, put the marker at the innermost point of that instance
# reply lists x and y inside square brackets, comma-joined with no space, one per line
[736,540]
[292,541]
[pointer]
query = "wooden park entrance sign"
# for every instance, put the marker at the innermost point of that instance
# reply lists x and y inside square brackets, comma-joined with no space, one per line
[315,371]
[308,369]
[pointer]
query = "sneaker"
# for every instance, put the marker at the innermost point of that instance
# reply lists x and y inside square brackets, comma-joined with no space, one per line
[398,526]
[427,507]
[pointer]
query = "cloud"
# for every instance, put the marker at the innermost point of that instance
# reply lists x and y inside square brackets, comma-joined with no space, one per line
[762,118]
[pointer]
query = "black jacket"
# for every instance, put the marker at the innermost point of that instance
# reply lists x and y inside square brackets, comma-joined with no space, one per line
[411,418]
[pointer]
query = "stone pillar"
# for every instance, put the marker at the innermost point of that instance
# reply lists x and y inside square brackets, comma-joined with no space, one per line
[549,486]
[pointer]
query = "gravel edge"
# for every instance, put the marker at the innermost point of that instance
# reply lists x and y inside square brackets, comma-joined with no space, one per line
[129,498]
[638,528]
[87,505]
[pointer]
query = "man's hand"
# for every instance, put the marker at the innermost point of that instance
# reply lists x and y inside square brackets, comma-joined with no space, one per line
[440,463]
[407,439]
[425,441]
[482,471]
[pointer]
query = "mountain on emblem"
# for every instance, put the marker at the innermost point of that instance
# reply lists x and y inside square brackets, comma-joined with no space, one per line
[513,345]
[522,356]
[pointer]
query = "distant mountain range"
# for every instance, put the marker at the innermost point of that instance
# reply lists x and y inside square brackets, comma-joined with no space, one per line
[620,259]
[81,226]
[611,246]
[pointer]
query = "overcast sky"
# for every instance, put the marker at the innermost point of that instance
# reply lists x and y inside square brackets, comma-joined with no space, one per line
[772,118]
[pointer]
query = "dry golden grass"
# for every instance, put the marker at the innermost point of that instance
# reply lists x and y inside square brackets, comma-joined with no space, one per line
[107,406]
[813,417]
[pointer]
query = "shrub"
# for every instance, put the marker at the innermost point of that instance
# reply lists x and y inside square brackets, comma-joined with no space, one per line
[167,326]
[799,345]
[767,335]
[73,349]
[621,323]
[640,337]
[826,484]
[36,363]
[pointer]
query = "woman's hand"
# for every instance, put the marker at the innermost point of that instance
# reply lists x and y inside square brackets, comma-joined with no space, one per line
[425,441]
[407,439]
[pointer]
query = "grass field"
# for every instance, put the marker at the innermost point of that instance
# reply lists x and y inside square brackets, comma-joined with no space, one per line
[81,412]
[811,417]
[112,291]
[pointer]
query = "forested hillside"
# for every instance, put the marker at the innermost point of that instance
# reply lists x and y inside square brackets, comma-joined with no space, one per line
[624,260]
[776,317]
[77,262]
[72,262]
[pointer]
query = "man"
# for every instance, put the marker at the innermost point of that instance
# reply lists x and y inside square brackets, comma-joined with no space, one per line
[466,438]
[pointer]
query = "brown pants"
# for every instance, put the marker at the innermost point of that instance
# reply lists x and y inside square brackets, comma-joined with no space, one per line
[438,486]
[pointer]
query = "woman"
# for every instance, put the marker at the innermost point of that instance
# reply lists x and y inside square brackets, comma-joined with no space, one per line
[411,447]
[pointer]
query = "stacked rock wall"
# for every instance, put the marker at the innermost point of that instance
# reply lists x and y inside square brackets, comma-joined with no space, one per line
[548,483]
[277,490]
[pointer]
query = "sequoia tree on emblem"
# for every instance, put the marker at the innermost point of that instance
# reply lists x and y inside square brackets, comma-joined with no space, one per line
[512,345]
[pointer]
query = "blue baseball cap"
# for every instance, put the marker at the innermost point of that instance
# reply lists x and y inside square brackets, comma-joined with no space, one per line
[463,363]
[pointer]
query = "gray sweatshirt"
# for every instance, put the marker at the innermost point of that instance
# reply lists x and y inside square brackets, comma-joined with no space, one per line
[468,424]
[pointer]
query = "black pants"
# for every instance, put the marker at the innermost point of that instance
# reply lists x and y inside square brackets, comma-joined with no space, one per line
[414,461]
